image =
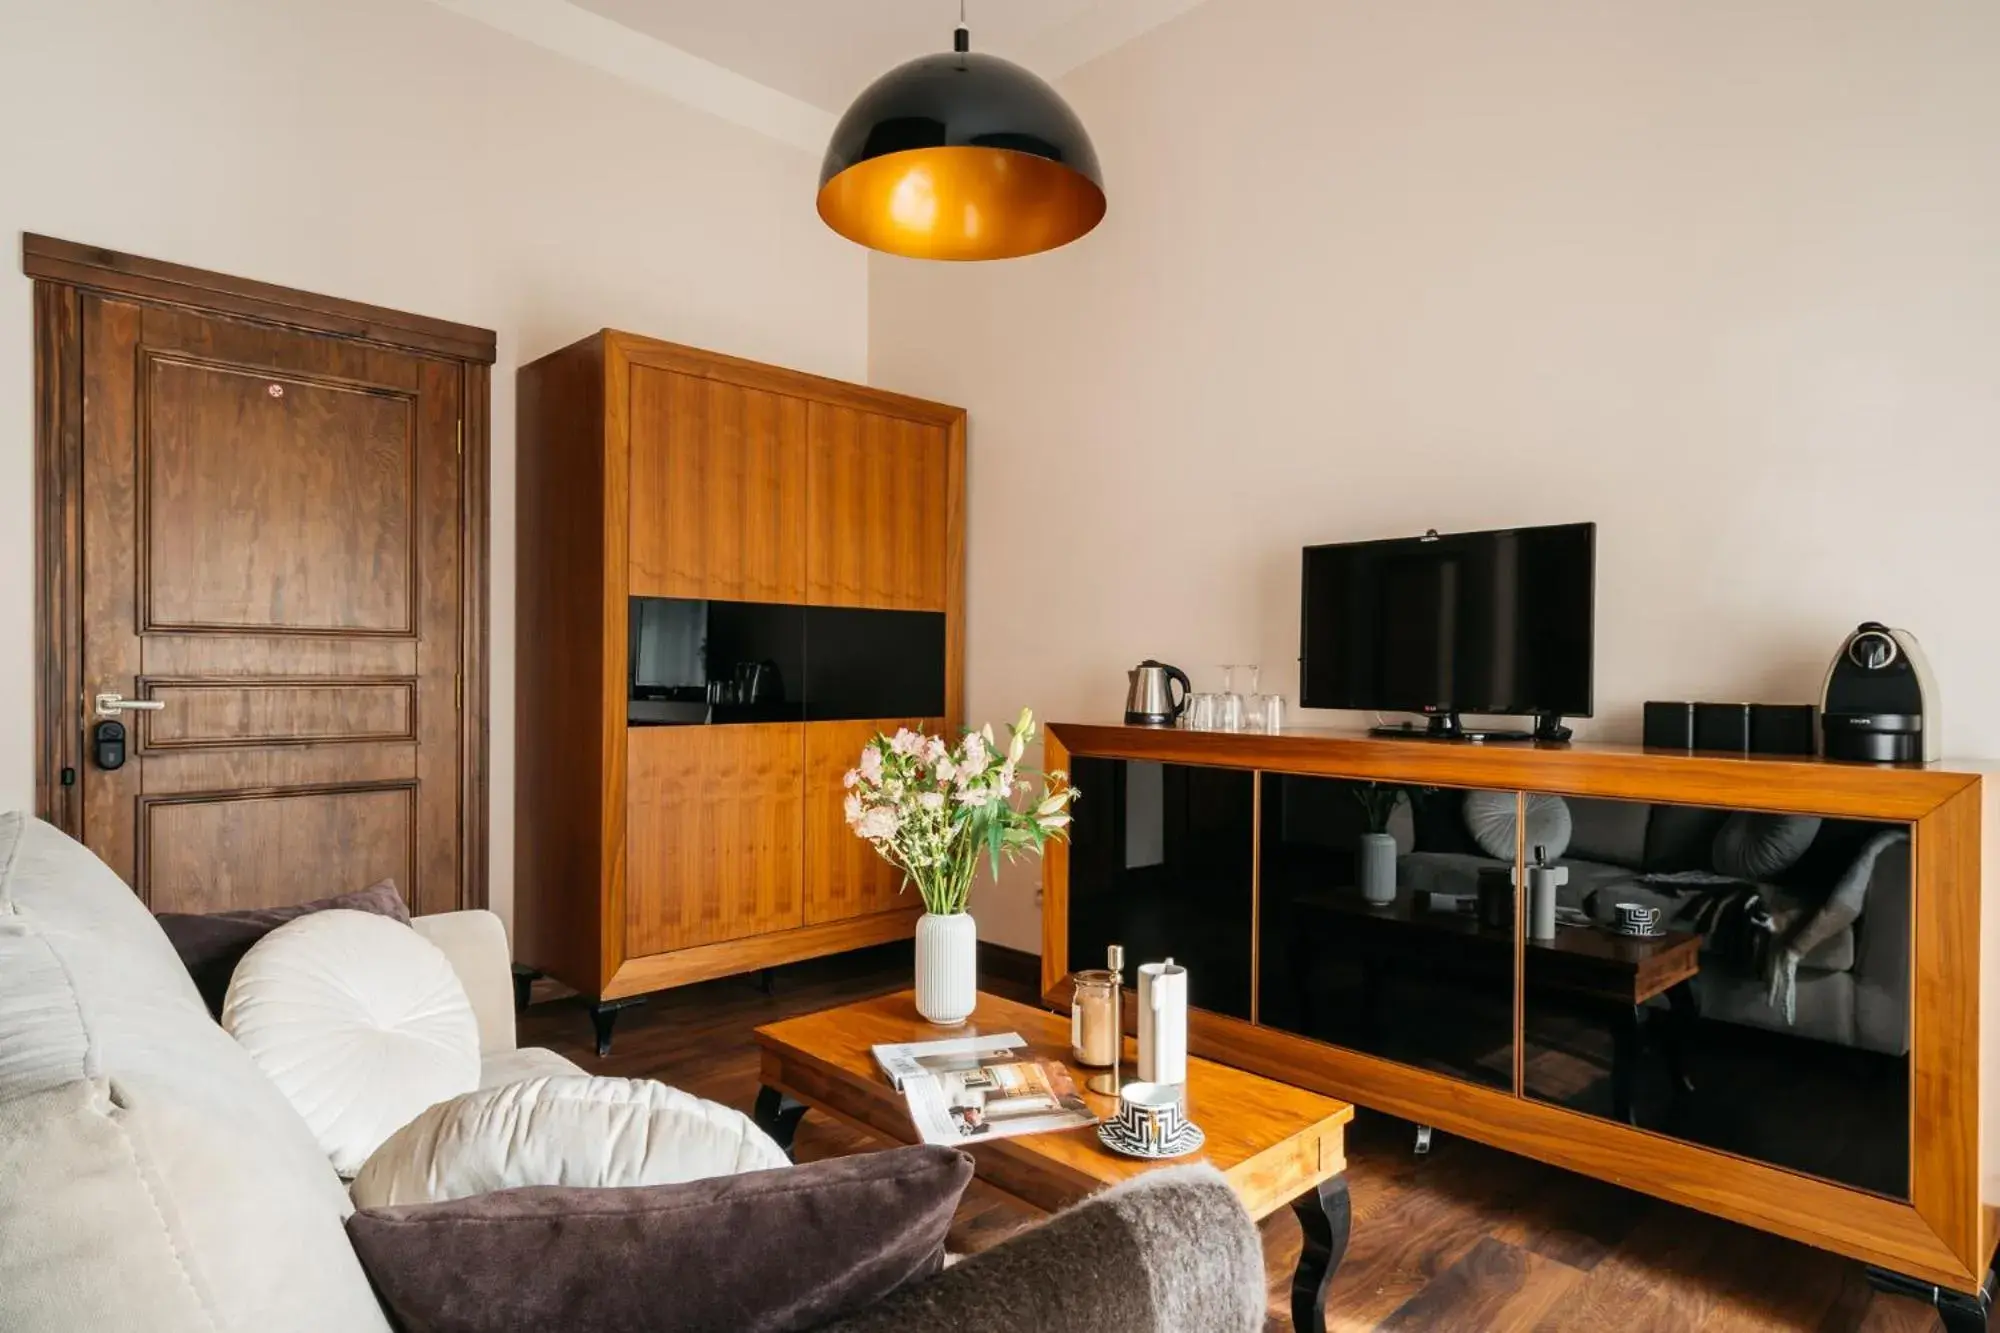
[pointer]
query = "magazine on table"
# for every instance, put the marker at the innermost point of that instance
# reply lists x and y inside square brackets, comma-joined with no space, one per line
[965,1089]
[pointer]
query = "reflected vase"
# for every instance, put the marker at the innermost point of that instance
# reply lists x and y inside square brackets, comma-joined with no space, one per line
[1376,869]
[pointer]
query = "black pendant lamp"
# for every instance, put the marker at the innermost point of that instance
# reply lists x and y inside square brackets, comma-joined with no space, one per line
[960,156]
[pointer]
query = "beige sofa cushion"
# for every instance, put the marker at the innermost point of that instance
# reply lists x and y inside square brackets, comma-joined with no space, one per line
[359,1021]
[113,1074]
[594,1133]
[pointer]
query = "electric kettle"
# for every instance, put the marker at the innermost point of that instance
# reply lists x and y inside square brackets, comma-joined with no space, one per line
[1150,699]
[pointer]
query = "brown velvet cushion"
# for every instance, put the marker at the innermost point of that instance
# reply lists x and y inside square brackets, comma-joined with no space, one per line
[763,1252]
[211,944]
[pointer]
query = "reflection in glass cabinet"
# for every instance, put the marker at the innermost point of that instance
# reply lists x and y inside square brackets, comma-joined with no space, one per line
[1767,1015]
[1160,863]
[1384,928]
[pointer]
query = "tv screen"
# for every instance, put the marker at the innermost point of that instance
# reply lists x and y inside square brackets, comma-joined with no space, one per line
[1469,622]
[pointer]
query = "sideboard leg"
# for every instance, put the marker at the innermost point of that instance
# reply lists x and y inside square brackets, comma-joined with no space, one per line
[779,1116]
[1324,1217]
[1958,1311]
[604,1016]
[1423,1141]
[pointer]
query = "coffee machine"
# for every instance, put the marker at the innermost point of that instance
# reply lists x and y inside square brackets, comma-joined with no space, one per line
[1880,701]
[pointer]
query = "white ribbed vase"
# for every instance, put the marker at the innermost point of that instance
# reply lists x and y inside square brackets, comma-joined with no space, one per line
[947,968]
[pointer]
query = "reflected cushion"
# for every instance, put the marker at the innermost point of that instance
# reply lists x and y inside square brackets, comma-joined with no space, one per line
[1758,847]
[1489,818]
[211,944]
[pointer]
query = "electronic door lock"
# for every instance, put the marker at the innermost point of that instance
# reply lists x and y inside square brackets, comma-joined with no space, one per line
[108,744]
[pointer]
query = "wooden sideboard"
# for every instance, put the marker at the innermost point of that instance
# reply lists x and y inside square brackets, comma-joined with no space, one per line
[686,518]
[1861,1121]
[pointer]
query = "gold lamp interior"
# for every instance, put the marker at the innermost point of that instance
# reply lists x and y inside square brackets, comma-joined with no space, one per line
[961,203]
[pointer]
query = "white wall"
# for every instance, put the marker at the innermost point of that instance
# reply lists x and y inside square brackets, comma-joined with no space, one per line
[391,152]
[1722,276]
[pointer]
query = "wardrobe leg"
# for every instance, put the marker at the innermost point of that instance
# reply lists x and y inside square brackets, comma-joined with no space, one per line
[604,1016]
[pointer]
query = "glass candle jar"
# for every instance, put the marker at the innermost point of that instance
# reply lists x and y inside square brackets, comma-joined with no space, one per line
[1093,1019]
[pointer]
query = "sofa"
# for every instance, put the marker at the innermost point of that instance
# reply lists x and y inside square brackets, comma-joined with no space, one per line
[1852,988]
[152,1178]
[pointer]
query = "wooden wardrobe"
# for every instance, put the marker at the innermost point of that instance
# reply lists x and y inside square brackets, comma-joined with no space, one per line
[731,575]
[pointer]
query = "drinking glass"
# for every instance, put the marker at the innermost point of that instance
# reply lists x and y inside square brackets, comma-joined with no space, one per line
[1228,704]
[1200,712]
[1267,713]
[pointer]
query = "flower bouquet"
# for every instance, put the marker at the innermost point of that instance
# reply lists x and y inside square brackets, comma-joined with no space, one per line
[935,811]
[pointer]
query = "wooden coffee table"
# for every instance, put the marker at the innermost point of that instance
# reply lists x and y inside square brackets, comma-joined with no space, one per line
[1275,1144]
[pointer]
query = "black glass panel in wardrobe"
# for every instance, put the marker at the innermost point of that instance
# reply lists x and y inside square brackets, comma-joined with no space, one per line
[864,663]
[1767,1015]
[1385,928]
[1159,863]
[695,661]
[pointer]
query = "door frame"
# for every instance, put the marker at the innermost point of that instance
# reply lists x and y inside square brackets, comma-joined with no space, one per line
[63,273]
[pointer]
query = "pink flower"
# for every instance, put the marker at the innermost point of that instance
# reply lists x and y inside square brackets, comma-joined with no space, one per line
[850,777]
[878,825]
[945,772]
[852,807]
[974,750]
[906,741]
[871,766]
[931,800]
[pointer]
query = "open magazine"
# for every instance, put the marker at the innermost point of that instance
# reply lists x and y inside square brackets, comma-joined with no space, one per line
[969,1088]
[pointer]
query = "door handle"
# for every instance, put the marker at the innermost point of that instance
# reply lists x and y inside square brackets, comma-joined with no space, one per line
[111,705]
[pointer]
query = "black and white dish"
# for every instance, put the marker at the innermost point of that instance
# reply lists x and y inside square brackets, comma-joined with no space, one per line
[1114,1135]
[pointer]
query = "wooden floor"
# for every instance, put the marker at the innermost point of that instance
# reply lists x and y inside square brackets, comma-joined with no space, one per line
[1466,1238]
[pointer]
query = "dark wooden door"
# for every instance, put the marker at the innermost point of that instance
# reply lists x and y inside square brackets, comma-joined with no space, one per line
[272,551]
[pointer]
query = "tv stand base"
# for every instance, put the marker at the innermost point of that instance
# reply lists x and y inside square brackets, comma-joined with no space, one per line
[1448,727]
[1958,1311]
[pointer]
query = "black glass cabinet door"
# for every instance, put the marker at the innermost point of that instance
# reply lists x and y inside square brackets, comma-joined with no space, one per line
[1160,863]
[1768,1014]
[1372,932]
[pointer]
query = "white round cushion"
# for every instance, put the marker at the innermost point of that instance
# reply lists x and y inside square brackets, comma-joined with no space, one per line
[359,1020]
[565,1130]
[1489,818]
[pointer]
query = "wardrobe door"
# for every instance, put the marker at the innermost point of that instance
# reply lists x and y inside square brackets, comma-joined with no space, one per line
[718,486]
[875,511]
[713,834]
[844,875]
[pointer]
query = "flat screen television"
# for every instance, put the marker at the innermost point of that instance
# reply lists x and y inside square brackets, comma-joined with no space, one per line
[1467,622]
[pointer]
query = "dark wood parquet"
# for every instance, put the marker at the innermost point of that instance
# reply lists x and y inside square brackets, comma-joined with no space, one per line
[1465,1238]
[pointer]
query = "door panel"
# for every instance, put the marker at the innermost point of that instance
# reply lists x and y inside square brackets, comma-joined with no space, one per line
[844,876]
[718,486]
[273,544]
[262,491]
[876,511]
[713,833]
[364,829]
[211,714]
